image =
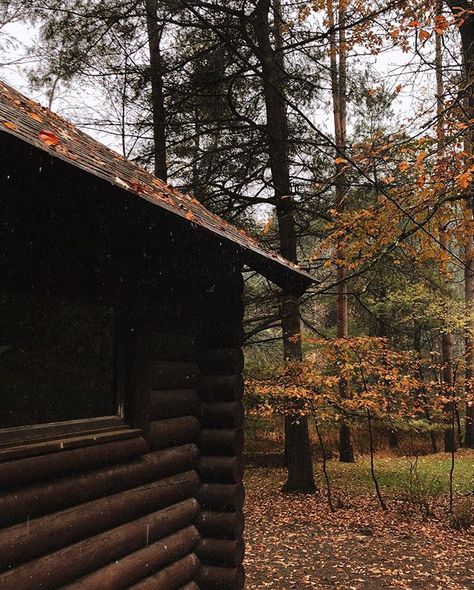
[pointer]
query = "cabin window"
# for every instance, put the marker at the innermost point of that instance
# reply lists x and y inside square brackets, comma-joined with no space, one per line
[56,359]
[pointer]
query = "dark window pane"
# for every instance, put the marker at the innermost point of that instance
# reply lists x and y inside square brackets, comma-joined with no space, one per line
[56,359]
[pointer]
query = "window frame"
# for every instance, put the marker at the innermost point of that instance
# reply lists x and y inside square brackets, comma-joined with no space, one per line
[42,438]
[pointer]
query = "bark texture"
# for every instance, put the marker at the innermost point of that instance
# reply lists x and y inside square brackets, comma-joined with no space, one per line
[297,443]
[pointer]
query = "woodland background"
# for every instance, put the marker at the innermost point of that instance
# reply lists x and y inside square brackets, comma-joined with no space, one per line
[341,133]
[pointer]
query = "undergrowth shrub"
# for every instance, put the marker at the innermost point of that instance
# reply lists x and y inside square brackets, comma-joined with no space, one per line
[421,490]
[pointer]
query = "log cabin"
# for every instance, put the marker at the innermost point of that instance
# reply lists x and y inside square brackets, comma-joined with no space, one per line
[120,369]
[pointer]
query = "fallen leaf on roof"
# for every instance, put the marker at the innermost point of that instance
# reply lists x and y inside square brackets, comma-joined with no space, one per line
[35,116]
[48,137]
[190,215]
[137,186]
[9,125]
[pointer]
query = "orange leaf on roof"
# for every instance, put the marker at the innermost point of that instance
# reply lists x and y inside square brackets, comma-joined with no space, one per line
[9,125]
[137,186]
[48,137]
[190,215]
[35,116]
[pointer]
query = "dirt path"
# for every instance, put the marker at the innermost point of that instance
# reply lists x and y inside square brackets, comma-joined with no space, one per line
[295,543]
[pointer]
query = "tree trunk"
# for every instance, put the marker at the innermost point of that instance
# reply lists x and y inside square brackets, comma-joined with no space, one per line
[469,333]
[446,337]
[424,397]
[297,442]
[155,32]
[464,10]
[338,67]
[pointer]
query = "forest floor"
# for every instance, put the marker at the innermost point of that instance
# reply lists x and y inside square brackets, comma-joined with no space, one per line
[295,543]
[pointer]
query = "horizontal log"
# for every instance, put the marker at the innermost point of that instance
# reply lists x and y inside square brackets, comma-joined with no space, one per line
[222,414]
[211,577]
[24,471]
[173,432]
[222,552]
[213,441]
[221,387]
[214,496]
[64,566]
[171,577]
[14,453]
[173,403]
[139,565]
[45,498]
[221,469]
[172,375]
[222,362]
[221,525]
[31,539]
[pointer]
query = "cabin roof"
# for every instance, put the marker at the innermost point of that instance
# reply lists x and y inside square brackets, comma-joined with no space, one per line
[40,127]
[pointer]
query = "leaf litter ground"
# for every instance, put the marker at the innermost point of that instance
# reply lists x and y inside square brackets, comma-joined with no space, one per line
[295,543]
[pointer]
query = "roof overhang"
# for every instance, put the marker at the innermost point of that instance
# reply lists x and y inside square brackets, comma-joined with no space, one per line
[40,127]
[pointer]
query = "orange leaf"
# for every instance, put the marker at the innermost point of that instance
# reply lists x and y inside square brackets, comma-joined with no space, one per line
[35,116]
[267,227]
[441,24]
[48,137]
[403,166]
[464,179]
[9,125]
[190,215]
[424,35]
[137,186]
[340,160]
[413,23]
[398,88]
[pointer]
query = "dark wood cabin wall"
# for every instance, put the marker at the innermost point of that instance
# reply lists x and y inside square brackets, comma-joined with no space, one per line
[122,514]
[163,509]
[220,464]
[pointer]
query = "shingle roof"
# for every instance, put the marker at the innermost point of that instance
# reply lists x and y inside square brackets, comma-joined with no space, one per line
[37,125]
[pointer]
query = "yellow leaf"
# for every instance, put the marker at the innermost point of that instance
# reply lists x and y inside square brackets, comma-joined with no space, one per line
[421,156]
[9,125]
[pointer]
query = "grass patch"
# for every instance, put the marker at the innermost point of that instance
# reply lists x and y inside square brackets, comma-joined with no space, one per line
[393,473]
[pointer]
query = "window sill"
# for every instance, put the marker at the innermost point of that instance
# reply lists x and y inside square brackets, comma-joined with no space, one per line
[30,441]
